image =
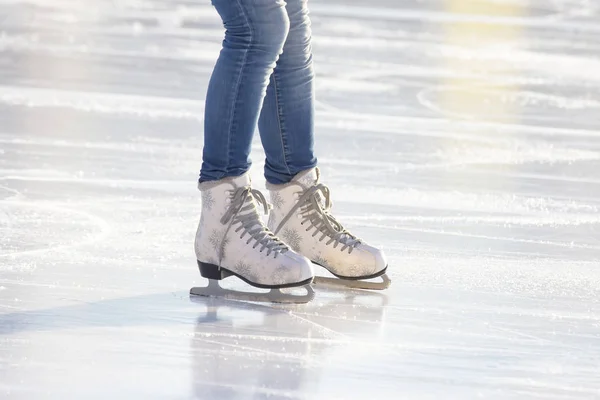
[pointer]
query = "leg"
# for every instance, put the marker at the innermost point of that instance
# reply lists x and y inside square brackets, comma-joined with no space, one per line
[256,31]
[232,239]
[286,122]
[301,203]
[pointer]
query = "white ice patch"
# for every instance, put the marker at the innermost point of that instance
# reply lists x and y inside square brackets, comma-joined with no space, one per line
[513,154]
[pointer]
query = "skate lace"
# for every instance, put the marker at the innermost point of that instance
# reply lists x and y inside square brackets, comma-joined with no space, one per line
[314,206]
[243,211]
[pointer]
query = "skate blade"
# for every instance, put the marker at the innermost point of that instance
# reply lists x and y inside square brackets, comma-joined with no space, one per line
[353,284]
[272,296]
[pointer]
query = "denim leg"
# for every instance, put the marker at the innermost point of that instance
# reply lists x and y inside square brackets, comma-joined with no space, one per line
[286,121]
[256,31]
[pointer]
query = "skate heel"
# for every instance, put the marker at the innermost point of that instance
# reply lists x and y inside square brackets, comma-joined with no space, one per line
[211,271]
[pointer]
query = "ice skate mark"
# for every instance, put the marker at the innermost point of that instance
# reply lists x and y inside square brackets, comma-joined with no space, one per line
[358,312]
[276,311]
[385,79]
[16,194]
[6,222]
[441,127]
[85,289]
[115,183]
[422,98]
[101,224]
[495,326]
[203,52]
[552,177]
[552,65]
[451,129]
[505,157]
[169,22]
[10,308]
[327,333]
[140,145]
[519,99]
[330,336]
[243,391]
[494,238]
[469,202]
[102,103]
[341,85]
[236,349]
[569,10]
[558,220]
[288,339]
[547,19]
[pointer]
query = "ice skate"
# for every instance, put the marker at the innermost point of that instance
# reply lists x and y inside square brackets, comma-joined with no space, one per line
[232,240]
[301,217]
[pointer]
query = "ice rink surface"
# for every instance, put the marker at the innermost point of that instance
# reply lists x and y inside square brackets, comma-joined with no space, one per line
[462,136]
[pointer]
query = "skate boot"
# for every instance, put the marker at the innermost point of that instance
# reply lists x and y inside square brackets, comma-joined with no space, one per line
[301,218]
[233,240]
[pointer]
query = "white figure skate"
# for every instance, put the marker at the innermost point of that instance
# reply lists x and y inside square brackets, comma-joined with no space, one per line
[301,218]
[233,240]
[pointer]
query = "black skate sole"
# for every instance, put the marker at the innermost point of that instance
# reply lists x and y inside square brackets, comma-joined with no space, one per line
[355,278]
[212,271]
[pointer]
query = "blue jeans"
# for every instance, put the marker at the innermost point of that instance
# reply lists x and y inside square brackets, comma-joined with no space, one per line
[264,76]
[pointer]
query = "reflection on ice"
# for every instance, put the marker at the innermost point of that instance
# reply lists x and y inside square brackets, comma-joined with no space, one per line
[291,347]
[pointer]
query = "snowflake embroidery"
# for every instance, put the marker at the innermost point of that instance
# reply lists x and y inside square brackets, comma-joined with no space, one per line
[322,261]
[277,200]
[355,270]
[247,271]
[215,239]
[292,238]
[280,275]
[253,276]
[219,243]
[308,180]
[207,200]
[243,268]
[222,249]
